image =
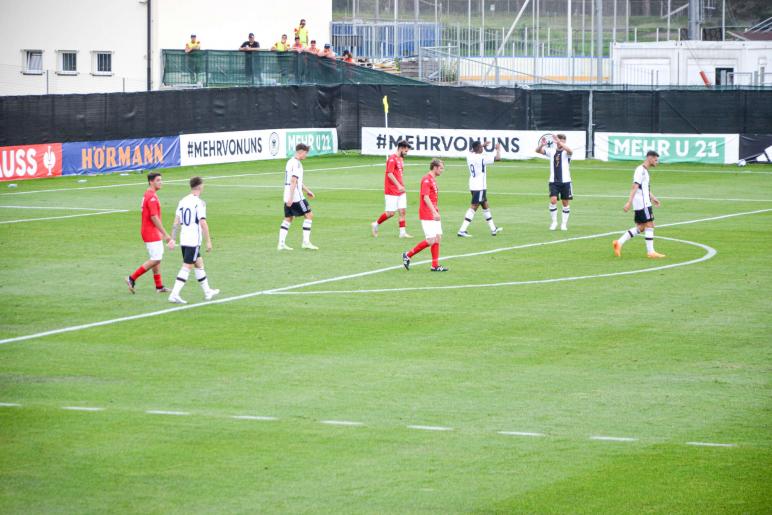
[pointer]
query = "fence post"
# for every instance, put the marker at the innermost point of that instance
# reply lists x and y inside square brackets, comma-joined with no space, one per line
[46,82]
[590,136]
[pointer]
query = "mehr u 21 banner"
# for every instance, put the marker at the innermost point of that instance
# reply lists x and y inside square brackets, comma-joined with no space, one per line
[30,161]
[90,157]
[239,146]
[381,141]
[672,148]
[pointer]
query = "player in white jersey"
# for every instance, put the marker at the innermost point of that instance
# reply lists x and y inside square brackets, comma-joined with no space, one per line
[295,203]
[477,163]
[190,220]
[641,199]
[560,177]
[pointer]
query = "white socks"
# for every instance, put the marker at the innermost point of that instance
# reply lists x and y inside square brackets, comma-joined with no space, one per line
[489,219]
[554,213]
[649,235]
[566,214]
[202,280]
[468,217]
[628,234]
[182,277]
[283,230]
[307,231]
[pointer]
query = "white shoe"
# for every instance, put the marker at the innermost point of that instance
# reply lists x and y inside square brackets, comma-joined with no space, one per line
[283,246]
[497,230]
[564,227]
[176,299]
[210,294]
[553,226]
[406,235]
[309,246]
[463,234]
[374,229]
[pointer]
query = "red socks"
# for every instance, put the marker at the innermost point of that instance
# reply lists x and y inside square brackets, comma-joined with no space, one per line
[436,255]
[383,218]
[402,224]
[418,248]
[158,282]
[138,273]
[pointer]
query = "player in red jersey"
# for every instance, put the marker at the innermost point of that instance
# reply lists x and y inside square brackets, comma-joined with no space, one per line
[394,190]
[429,213]
[152,233]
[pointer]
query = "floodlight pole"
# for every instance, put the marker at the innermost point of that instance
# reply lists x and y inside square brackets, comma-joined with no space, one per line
[723,21]
[500,50]
[599,37]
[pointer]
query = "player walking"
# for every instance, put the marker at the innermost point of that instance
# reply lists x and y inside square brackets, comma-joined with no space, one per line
[190,218]
[394,190]
[429,214]
[295,203]
[477,161]
[560,178]
[641,198]
[153,233]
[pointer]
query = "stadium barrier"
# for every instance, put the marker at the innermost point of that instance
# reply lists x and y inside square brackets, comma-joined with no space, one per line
[30,161]
[93,157]
[672,148]
[457,143]
[756,148]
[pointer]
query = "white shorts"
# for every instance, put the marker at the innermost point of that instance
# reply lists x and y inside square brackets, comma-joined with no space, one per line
[396,202]
[431,228]
[155,250]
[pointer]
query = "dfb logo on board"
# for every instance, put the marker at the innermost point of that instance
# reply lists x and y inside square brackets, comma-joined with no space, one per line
[30,161]
[273,143]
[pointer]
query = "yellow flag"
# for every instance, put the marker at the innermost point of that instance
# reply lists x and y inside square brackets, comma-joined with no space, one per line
[386,104]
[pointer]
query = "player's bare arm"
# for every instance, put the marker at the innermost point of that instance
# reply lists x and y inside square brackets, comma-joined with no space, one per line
[394,180]
[630,198]
[175,229]
[309,192]
[654,199]
[205,231]
[157,222]
[293,187]
[563,146]
[497,157]
[435,213]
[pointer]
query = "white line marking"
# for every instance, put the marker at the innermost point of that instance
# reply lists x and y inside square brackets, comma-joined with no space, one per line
[520,433]
[62,208]
[338,278]
[613,439]
[9,405]
[711,444]
[431,428]
[171,181]
[162,412]
[253,417]
[533,164]
[341,423]
[61,217]
[81,408]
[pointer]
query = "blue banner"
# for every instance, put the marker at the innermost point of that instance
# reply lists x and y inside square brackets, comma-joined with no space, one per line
[87,157]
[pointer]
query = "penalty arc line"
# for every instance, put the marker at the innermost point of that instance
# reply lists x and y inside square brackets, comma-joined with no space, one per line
[334,279]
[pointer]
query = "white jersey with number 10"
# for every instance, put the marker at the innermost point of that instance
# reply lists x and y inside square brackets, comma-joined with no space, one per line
[191,210]
[477,163]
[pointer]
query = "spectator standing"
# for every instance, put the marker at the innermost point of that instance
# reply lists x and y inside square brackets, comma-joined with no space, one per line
[192,45]
[281,46]
[347,57]
[312,48]
[193,58]
[327,52]
[298,46]
[250,45]
[301,31]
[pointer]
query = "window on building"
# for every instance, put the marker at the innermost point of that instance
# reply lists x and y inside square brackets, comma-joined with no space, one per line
[103,63]
[33,62]
[68,62]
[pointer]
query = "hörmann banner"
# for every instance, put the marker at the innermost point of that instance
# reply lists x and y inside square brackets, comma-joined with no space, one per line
[381,141]
[30,161]
[672,148]
[234,147]
[120,155]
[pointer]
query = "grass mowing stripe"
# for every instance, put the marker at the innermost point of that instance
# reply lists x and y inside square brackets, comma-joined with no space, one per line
[344,277]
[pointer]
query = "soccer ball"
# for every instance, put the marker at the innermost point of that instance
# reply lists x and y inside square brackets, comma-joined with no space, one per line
[741,162]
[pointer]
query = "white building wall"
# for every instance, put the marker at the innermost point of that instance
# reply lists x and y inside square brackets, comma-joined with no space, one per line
[84,26]
[119,26]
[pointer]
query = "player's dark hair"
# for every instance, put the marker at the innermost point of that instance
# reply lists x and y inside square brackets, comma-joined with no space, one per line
[435,163]
[195,182]
[302,146]
[403,144]
[561,137]
[476,145]
[651,153]
[152,175]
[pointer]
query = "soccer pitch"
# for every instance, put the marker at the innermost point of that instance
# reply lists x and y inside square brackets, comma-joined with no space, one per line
[540,374]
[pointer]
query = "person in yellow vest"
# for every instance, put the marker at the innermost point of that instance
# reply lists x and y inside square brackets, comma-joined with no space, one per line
[193,59]
[193,44]
[302,32]
[281,46]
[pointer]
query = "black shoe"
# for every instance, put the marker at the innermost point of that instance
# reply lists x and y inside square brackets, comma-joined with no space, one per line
[130,283]
[438,269]
[405,261]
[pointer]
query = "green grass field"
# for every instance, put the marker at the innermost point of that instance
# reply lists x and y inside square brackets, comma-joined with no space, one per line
[522,378]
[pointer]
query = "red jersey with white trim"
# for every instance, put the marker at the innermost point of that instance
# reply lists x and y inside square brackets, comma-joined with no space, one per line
[428,187]
[150,207]
[394,165]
